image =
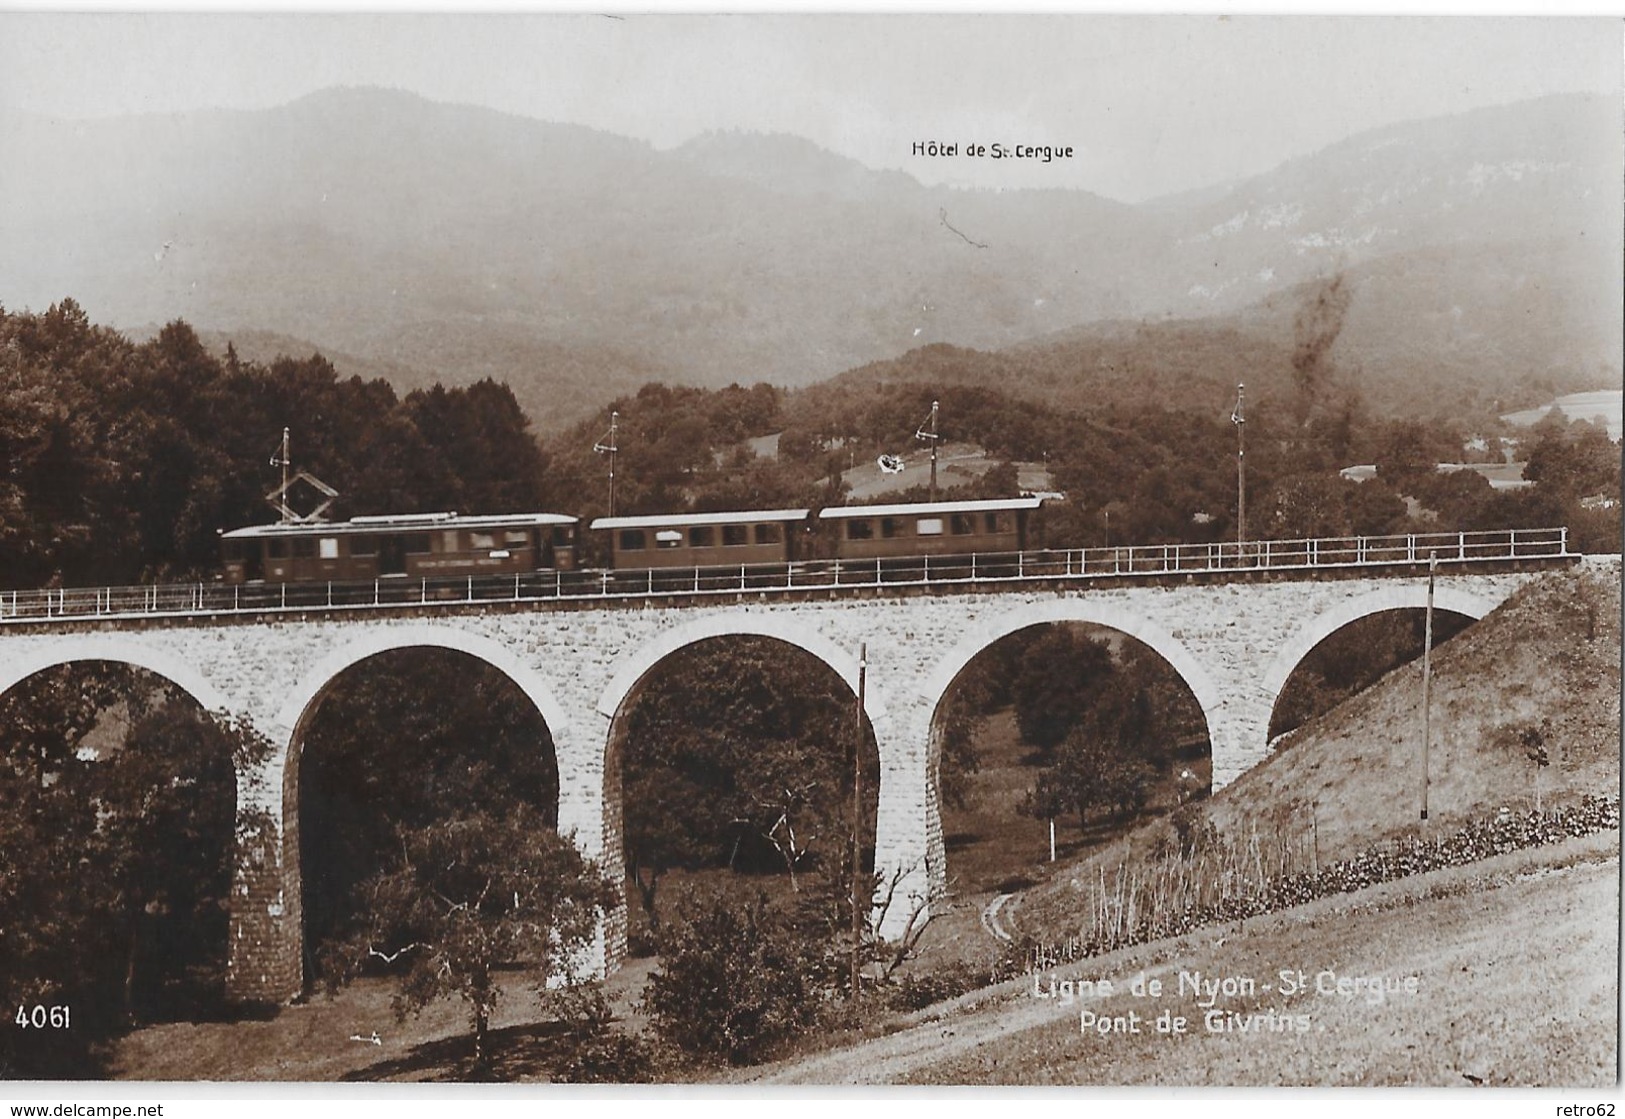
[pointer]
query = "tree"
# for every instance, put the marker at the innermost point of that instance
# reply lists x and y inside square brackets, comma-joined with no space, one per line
[116,857]
[1574,460]
[408,738]
[1050,687]
[467,895]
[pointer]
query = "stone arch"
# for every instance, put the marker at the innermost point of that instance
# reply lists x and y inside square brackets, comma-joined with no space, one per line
[306,696]
[645,658]
[1082,610]
[128,650]
[117,648]
[417,636]
[790,630]
[1076,610]
[1408,595]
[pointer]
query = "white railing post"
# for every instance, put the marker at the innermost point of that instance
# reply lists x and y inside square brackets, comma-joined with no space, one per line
[973,567]
[1021,565]
[927,569]
[330,593]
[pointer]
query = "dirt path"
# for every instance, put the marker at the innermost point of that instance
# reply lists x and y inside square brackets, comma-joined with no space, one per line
[990,918]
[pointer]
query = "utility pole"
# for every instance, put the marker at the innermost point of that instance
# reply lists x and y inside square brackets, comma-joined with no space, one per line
[857,820]
[928,432]
[607,447]
[282,459]
[1239,418]
[1427,672]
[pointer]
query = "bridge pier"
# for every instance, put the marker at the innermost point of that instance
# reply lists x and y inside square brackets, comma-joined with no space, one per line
[1238,731]
[907,816]
[265,955]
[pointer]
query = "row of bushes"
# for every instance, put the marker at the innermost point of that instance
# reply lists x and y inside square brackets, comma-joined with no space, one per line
[1129,912]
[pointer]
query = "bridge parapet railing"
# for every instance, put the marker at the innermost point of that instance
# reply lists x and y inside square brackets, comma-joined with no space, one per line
[1009,567]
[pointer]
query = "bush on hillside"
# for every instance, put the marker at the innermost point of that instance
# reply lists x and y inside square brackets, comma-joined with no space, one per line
[736,979]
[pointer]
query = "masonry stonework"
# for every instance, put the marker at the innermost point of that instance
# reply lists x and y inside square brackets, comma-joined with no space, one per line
[1234,644]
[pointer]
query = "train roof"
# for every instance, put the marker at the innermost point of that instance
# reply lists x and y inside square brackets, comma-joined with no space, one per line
[994,505]
[660,520]
[399,522]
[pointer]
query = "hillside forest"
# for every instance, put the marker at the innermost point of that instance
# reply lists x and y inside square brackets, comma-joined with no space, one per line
[120,461]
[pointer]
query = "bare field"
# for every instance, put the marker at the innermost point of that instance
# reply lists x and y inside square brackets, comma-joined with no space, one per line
[1515,959]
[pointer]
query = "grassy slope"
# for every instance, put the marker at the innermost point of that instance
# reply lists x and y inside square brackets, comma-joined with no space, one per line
[1516,960]
[1355,772]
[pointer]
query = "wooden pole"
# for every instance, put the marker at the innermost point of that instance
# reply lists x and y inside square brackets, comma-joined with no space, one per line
[857,820]
[934,443]
[1240,420]
[1427,673]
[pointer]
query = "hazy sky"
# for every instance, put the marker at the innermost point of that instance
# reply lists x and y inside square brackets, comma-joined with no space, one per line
[1150,105]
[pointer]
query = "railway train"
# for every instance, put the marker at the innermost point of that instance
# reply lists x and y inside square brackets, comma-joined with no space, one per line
[426,545]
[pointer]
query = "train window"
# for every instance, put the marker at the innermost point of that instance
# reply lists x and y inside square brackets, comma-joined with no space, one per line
[417,543]
[328,546]
[304,548]
[633,540]
[963,524]
[564,534]
[769,534]
[483,541]
[891,526]
[363,546]
[859,529]
[701,536]
[276,549]
[450,540]
[991,521]
[668,538]
[516,538]
[928,526]
[735,535]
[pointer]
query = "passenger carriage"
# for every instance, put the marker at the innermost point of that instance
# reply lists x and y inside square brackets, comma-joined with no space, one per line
[937,528]
[749,538]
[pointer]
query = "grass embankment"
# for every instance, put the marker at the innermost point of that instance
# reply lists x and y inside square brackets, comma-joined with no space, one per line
[1549,658]
[1513,956]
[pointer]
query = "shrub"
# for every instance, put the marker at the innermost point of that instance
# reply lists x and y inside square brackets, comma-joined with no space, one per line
[918,991]
[735,979]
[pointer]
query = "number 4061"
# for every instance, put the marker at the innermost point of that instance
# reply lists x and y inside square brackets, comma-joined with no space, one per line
[43,1017]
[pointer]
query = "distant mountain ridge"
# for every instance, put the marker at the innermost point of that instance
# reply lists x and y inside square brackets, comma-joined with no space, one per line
[449,242]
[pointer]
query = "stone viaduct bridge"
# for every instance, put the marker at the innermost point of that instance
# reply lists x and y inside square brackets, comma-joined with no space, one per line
[1234,638]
